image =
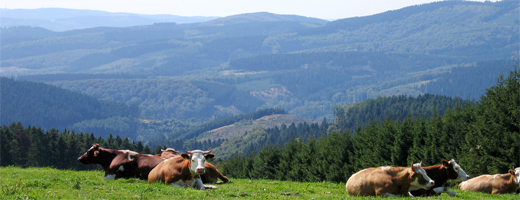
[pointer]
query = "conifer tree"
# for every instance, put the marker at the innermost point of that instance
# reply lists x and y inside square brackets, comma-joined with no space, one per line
[495,138]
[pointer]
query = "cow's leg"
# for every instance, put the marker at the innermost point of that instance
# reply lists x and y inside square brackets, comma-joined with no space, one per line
[390,195]
[197,184]
[223,178]
[109,177]
[439,190]
[178,185]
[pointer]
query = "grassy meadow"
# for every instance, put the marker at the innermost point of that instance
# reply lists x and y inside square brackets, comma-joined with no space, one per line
[48,183]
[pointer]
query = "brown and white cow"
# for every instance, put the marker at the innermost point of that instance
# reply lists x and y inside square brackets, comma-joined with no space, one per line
[441,174]
[120,163]
[168,153]
[182,171]
[494,184]
[210,176]
[388,181]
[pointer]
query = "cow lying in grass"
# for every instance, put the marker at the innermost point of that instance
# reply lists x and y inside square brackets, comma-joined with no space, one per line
[210,176]
[441,174]
[120,163]
[388,181]
[183,170]
[494,184]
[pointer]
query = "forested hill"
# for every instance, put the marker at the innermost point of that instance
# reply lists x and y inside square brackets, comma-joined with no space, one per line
[482,138]
[47,106]
[470,83]
[352,116]
[347,119]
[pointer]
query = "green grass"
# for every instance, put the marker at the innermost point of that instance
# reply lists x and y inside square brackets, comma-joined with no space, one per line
[48,183]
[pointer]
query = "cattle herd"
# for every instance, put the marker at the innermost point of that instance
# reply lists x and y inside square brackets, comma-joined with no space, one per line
[190,169]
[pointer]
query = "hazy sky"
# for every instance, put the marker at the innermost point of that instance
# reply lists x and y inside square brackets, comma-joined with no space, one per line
[324,9]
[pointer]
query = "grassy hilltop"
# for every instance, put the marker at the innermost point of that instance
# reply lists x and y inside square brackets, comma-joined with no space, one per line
[48,183]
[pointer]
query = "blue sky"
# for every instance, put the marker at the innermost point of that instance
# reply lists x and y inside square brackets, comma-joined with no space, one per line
[324,9]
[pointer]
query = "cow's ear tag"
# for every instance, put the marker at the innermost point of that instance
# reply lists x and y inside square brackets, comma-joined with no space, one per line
[95,153]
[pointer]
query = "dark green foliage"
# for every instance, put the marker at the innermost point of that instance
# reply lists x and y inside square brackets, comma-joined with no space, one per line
[494,132]
[34,147]
[397,107]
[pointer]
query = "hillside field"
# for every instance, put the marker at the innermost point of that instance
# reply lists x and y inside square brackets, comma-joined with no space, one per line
[49,183]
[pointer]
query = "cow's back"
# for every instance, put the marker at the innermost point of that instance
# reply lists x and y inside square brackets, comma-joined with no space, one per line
[493,184]
[366,182]
[175,167]
[478,184]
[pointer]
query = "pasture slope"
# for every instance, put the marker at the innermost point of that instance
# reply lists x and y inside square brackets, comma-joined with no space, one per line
[49,183]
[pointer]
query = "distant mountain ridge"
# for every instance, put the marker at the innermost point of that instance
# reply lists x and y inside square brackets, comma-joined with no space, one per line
[261,16]
[242,63]
[62,19]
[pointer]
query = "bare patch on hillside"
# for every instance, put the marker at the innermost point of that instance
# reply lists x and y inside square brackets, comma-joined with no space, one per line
[271,93]
[239,129]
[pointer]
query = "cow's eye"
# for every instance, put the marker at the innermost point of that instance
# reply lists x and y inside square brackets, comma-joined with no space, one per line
[193,161]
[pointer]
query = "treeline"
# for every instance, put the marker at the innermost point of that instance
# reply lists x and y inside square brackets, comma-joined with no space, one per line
[483,138]
[388,16]
[33,147]
[470,84]
[399,107]
[76,77]
[48,106]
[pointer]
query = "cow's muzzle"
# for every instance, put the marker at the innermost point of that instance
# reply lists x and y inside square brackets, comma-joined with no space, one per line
[200,170]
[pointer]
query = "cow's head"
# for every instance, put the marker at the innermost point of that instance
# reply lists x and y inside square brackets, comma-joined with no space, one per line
[197,159]
[420,180]
[517,175]
[91,156]
[454,170]
[168,153]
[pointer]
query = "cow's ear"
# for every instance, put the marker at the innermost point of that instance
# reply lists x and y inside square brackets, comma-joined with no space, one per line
[445,163]
[185,155]
[209,156]
[512,172]
[412,174]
